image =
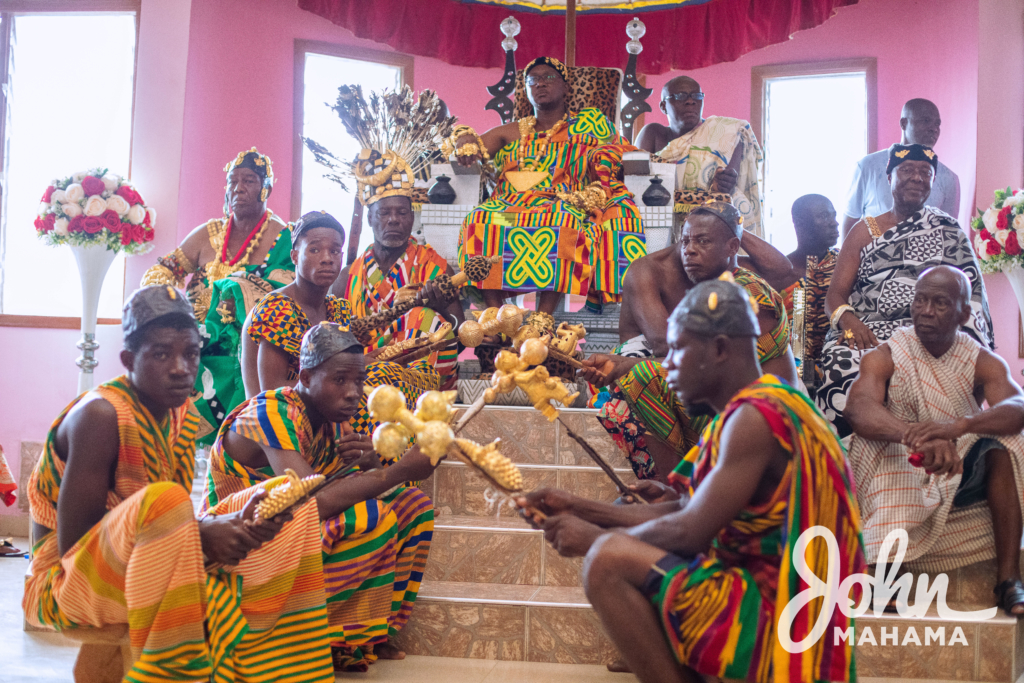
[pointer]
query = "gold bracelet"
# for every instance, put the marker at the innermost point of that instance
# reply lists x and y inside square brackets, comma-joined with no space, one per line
[837,314]
[467,150]
[451,144]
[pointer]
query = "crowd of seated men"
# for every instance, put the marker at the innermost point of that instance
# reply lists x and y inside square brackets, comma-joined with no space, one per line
[240,340]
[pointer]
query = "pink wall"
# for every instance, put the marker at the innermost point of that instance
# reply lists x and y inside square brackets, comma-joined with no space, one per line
[936,59]
[240,93]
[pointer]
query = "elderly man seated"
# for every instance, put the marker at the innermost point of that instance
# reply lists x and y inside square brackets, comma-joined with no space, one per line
[690,586]
[878,265]
[640,412]
[926,458]
[703,149]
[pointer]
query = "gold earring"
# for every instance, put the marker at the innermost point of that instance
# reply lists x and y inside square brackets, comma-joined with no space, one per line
[263,195]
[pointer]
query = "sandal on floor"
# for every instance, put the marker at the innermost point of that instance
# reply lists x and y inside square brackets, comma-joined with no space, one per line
[7,549]
[1009,594]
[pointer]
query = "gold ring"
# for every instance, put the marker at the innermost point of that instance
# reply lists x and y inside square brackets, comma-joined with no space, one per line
[848,334]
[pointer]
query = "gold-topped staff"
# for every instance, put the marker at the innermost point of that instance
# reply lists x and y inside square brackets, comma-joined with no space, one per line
[477,269]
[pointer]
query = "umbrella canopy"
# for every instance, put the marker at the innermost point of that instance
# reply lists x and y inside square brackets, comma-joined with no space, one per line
[682,34]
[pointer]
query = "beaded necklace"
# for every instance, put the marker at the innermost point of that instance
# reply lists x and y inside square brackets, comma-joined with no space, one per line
[220,267]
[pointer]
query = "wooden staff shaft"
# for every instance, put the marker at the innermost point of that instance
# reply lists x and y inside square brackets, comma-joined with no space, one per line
[570,33]
[589,450]
[564,357]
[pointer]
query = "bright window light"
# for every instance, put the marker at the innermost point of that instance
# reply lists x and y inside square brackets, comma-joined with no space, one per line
[70,102]
[321,79]
[809,118]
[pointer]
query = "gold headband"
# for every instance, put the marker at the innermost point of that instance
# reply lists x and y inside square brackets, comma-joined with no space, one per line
[389,175]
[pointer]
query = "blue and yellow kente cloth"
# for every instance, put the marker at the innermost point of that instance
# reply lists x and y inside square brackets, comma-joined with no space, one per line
[374,552]
[548,244]
[720,611]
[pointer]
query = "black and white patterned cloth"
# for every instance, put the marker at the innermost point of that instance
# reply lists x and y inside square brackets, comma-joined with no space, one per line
[890,266]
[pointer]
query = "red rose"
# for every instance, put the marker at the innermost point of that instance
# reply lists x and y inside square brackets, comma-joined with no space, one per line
[129,195]
[44,224]
[111,221]
[48,194]
[145,221]
[92,185]
[985,234]
[1012,244]
[92,224]
[993,248]
[76,224]
[126,233]
[147,234]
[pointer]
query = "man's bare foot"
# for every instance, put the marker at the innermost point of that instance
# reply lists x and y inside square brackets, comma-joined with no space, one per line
[388,651]
[619,666]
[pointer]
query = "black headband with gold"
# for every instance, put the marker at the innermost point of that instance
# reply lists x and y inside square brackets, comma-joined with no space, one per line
[553,63]
[900,153]
[259,164]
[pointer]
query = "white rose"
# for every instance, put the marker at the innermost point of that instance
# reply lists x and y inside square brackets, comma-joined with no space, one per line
[58,197]
[71,210]
[95,205]
[1001,236]
[77,177]
[989,219]
[74,192]
[136,214]
[60,226]
[152,216]
[111,182]
[44,208]
[118,204]
[1018,222]
[979,248]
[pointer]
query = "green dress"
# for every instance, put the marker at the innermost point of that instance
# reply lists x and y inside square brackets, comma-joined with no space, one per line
[219,382]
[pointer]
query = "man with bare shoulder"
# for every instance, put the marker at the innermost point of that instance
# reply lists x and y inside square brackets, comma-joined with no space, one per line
[641,413]
[703,149]
[118,544]
[927,459]
[702,570]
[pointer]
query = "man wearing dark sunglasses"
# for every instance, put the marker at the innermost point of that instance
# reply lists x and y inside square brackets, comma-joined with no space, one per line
[703,147]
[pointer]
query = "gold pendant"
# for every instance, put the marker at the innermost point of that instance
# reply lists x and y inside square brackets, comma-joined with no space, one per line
[525,180]
[218,271]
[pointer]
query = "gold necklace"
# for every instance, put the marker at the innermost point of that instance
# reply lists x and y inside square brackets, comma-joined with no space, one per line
[217,269]
[529,177]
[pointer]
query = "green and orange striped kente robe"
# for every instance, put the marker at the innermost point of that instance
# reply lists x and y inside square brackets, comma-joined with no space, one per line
[279,320]
[370,290]
[720,611]
[643,406]
[374,553]
[142,565]
[547,243]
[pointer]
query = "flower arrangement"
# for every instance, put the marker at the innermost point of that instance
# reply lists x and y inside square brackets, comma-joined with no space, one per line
[96,207]
[999,241]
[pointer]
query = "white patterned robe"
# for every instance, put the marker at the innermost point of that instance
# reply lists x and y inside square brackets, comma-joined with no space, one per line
[893,494]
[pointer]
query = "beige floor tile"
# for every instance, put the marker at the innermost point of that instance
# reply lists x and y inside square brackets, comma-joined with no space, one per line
[414,669]
[534,672]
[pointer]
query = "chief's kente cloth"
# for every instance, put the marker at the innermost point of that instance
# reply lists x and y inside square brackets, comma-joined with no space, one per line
[890,266]
[142,565]
[893,494]
[548,244]
[370,290]
[279,320]
[720,611]
[229,301]
[642,405]
[374,553]
[815,285]
[707,148]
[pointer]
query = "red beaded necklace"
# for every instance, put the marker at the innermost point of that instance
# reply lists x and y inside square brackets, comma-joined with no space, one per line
[242,251]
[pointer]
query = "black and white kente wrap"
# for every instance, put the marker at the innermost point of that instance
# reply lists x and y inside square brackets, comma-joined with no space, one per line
[890,266]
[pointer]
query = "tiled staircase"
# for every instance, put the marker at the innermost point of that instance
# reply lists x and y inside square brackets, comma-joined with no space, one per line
[494,589]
